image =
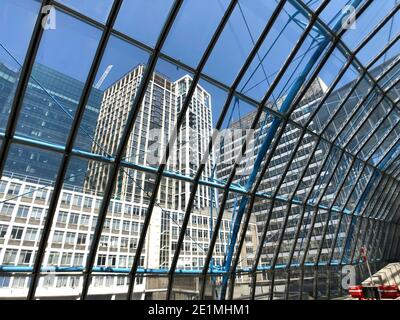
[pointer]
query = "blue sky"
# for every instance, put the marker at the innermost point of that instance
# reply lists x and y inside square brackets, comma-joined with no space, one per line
[71,46]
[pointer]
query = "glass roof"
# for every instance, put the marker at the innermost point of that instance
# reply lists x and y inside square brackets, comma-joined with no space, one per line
[144,143]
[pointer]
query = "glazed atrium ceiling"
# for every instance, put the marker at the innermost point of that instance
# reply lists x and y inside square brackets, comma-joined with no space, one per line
[197,149]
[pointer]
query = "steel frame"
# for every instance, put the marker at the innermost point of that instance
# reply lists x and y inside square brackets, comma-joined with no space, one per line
[385,207]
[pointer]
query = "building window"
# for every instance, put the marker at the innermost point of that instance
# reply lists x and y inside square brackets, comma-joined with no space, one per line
[36,213]
[74,282]
[10,256]
[66,259]
[4,282]
[53,258]
[66,198]
[126,225]
[41,194]
[7,209]
[61,281]
[62,217]
[31,234]
[22,211]
[101,260]
[3,186]
[87,202]
[19,282]
[3,230]
[85,220]
[14,189]
[70,238]
[16,233]
[73,218]
[25,257]
[81,239]
[78,259]
[58,236]
[28,192]
[112,260]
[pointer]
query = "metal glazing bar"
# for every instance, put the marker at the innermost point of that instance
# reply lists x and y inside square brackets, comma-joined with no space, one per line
[292,99]
[114,170]
[256,118]
[179,123]
[225,109]
[22,85]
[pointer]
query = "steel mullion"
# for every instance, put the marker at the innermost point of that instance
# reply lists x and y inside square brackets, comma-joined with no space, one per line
[68,148]
[315,211]
[394,244]
[225,109]
[358,106]
[182,65]
[392,216]
[353,188]
[253,285]
[374,242]
[371,238]
[391,239]
[377,28]
[123,141]
[334,242]
[333,201]
[350,168]
[384,137]
[349,61]
[328,211]
[396,169]
[384,50]
[179,122]
[26,70]
[301,285]
[90,156]
[342,46]
[380,242]
[353,216]
[362,216]
[382,202]
[384,211]
[263,102]
[240,245]
[387,241]
[397,251]
[287,285]
[315,282]
[298,143]
[110,160]
[300,222]
[374,220]
[377,126]
[373,94]
[259,250]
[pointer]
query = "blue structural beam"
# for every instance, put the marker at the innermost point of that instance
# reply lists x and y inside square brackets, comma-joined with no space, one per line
[5,269]
[294,90]
[363,197]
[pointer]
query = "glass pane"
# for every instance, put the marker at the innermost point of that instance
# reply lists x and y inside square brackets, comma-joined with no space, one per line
[143,19]
[97,10]
[18,18]
[54,89]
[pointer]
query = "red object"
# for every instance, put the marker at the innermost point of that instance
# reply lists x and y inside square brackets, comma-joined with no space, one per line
[356,292]
[389,292]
